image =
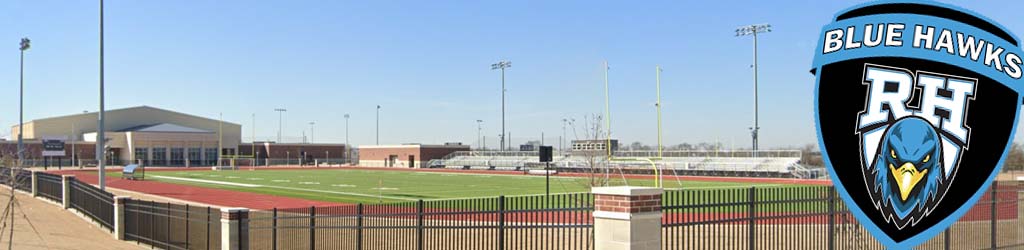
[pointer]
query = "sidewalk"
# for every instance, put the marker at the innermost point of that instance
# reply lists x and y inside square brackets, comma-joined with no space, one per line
[57,228]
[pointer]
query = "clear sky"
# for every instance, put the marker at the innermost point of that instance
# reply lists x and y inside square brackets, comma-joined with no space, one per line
[427,63]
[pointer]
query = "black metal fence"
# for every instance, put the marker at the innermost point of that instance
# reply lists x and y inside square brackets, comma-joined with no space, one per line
[93,203]
[49,186]
[815,218]
[561,221]
[172,226]
[22,179]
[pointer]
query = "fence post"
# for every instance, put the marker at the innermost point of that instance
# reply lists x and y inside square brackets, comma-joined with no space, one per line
[119,202]
[65,181]
[831,217]
[232,221]
[946,238]
[419,225]
[751,205]
[627,217]
[312,227]
[995,200]
[35,185]
[359,226]
[273,230]
[501,222]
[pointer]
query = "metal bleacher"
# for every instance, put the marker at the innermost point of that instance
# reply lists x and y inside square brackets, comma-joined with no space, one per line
[776,163]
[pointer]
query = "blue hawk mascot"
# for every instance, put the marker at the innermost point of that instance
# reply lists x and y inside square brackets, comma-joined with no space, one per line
[908,168]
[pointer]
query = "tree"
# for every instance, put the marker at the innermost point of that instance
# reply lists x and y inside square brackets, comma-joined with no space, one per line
[1015,158]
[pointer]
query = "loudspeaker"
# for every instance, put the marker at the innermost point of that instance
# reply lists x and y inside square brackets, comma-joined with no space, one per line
[545,153]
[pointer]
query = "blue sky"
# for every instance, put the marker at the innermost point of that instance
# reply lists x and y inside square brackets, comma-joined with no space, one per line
[427,63]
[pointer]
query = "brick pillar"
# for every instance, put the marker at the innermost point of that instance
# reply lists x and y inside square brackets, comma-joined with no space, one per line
[627,218]
[65,181]
[119,216]
[234,233]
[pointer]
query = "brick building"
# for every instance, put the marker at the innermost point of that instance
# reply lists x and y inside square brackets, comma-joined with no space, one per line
[404,156]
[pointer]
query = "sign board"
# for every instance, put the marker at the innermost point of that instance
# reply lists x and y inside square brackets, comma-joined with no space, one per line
[53,146]
[545,154]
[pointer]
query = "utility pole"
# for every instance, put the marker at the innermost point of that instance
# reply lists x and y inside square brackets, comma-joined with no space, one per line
[280,117]
[502,65]
[752,30]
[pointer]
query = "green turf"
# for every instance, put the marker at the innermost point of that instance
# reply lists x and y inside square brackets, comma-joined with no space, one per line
[372,186]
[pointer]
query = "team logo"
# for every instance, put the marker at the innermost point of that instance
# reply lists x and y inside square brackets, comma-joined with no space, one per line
[916,105]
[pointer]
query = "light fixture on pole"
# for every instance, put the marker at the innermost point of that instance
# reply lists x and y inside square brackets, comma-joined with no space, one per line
[503,64]
[25,45]
[280,116]
[752,30]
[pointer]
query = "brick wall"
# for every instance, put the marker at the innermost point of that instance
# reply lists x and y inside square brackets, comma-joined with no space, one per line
[627,204]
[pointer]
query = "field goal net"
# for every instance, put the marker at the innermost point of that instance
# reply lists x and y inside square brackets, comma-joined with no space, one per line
[234,162]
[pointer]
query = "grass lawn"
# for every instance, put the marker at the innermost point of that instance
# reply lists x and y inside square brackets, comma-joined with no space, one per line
[369,186]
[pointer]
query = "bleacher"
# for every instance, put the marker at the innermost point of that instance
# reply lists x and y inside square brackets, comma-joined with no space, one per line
[713,163]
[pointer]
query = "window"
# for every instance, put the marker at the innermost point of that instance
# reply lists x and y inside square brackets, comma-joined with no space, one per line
[177,156]
[160,156]
[211,156]
[142,155]
[195,156]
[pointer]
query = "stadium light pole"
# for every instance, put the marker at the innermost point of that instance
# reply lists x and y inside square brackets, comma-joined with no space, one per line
[479,127]
[503,64]
[378,124]
[561,140]
[25,45]
[280,117]
[347,146]
[311,132]
[752,30]
[101,138]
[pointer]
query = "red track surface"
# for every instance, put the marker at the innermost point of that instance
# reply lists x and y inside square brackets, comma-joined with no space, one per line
[212,196]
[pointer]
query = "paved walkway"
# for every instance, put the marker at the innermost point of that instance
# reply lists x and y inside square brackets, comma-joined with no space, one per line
[57,228]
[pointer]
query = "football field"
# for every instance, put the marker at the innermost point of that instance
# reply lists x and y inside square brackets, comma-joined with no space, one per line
[370,186]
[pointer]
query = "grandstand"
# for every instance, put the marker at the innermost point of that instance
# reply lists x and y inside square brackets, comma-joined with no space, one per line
[777,163]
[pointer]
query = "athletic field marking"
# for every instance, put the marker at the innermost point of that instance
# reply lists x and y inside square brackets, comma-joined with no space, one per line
[232,177]
[281,180]
[385,188]
[309,183]
[289,188]
[725,187]
[207,181]
[342,185]
[254,179]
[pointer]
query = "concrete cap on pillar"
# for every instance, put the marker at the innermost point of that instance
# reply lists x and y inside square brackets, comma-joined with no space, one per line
[234,213]
[626,190]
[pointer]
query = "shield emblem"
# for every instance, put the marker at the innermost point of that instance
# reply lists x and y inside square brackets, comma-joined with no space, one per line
[916,104]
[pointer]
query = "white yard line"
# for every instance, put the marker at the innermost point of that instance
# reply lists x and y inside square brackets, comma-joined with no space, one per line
[279,187]
[207,181]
